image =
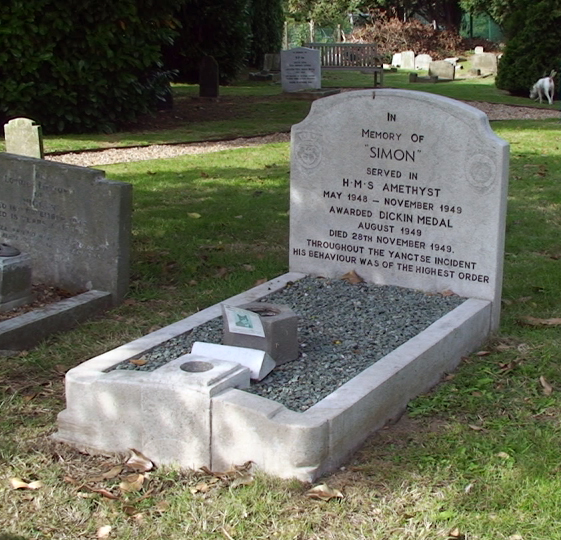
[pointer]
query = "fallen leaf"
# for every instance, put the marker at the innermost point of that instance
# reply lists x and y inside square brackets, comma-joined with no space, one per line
[138,361]
[103,492]
[248,267]
[130,510]
[524,299]
[18,483]
[138,461]
[447,292]
[352,277]
[476,428]
[324,493]
[503,455]
[221,272]
[193,215]
[468,488]
[242,480]
[456,534]
[104,532]
[534,321]
[162,506]
[108,475]
[132,482]
[260,282]
[201,487]
[547,388]
[483,353]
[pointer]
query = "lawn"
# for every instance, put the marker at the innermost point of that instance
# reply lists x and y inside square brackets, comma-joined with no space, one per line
[476,458]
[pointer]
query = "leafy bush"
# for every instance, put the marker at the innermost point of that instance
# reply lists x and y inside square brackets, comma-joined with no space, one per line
[393,35]
[533,49]
[267,20]
[221,28]
[92,65]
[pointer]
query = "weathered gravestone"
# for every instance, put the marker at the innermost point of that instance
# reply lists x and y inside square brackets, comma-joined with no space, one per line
[404,188]
[442,69]
[487,63]
[408,60]
[24,137]
[300,69]
[422,61]
[208,78]
[73,222]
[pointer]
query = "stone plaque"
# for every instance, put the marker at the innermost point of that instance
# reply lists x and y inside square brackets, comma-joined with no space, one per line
[74,223]
[300,69]
[405,188]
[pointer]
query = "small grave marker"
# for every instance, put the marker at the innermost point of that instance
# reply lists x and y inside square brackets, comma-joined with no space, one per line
[24,137]
[208,78]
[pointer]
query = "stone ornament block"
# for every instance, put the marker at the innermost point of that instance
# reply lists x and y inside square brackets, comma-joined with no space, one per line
[15,281]
[280,325]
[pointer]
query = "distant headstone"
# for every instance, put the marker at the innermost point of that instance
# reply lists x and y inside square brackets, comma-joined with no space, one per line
[208,78]
[24,138]
[73,222]
[442,69]
[404,188]
[422,61]
[407,60]
[300,69]
[272,62]
[486,62]
[396,60]
[478,50]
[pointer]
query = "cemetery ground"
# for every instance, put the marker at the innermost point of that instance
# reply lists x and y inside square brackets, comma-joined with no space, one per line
[478,457]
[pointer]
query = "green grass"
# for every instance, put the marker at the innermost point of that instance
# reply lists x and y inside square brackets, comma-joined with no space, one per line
[478,456]
[270,111]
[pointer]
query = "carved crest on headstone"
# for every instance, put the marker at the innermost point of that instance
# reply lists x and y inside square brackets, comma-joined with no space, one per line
[308,151]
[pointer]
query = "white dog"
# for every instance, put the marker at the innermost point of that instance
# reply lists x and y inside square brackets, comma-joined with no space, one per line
[545,87]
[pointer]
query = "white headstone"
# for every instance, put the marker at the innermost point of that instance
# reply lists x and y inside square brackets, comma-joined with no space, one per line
[396,60]
[300,69]
[407,60]
[24,137]
[422,61]
[405,188]
[478,50]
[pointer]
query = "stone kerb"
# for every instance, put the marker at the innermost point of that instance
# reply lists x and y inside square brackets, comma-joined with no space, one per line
[405,188]
[74,223]
[300,69]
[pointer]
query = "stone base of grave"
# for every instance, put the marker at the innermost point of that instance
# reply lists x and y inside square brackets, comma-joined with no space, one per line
[167,413]
[27,330]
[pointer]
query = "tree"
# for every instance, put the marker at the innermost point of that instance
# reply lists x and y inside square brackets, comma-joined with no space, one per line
[218,28]
[82,66]
[533,48]
[267,20]
[499,10]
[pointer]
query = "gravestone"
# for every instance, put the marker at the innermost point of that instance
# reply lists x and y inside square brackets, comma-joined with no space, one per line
[272,62]
[407,60]
[73,222]
[396,60]
[487,63]
[442,69]
[422,61]
[404,188]
[300,69]
[208,78]
[479,50]
[24,137]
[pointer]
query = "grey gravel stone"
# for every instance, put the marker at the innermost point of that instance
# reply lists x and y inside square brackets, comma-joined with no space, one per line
[342,330]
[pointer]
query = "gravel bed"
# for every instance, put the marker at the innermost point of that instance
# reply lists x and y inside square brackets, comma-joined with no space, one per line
[342,330]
